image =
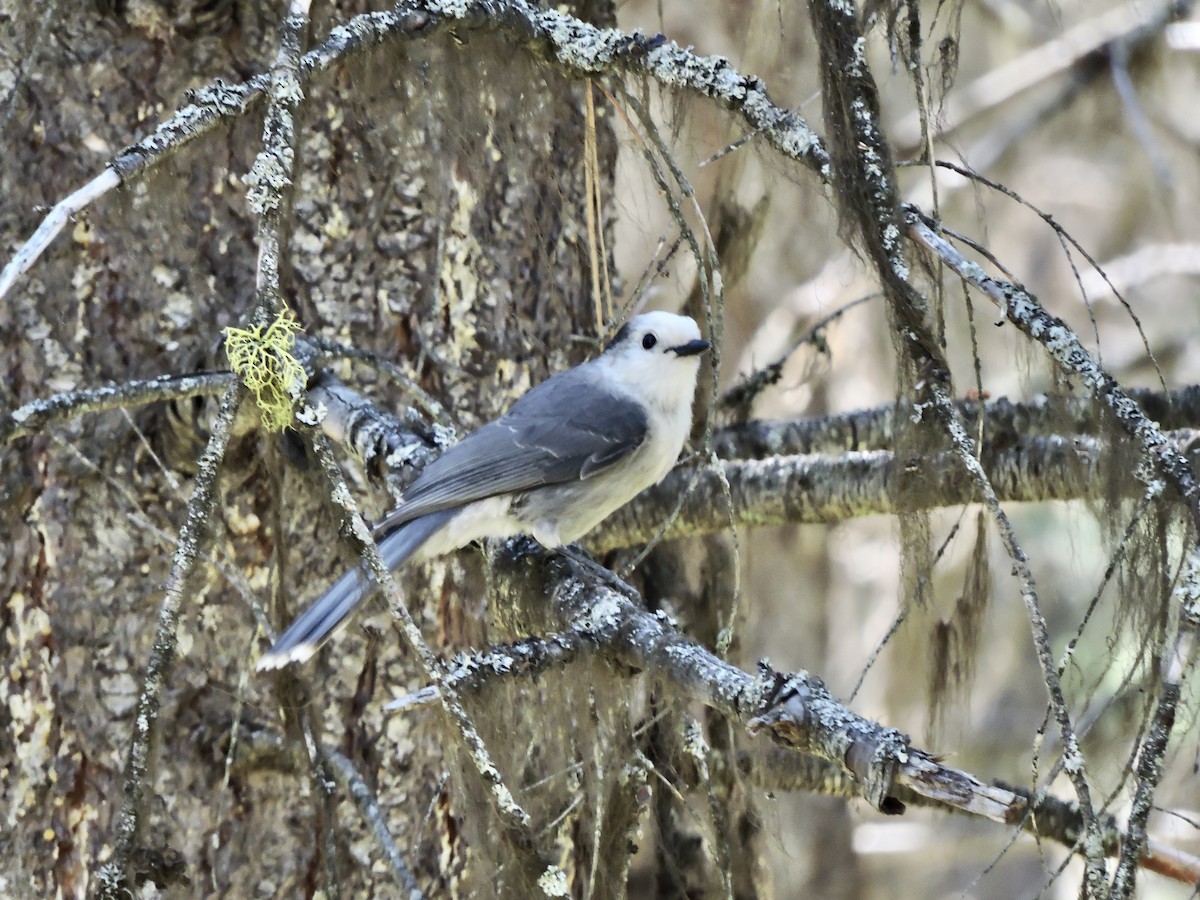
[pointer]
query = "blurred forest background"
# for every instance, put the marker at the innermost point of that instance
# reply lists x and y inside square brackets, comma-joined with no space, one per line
[1104,138]
[1088,111]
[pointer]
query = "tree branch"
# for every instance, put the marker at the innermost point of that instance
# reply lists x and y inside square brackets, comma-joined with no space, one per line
[1004,422]
[112,875]
[1023,310]
[796,710]
[579,49]
[869,208]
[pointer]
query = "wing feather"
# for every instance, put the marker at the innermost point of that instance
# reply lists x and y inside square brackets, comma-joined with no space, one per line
[566,428]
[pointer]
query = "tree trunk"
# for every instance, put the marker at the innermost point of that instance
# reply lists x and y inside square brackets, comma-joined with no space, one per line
[438,219]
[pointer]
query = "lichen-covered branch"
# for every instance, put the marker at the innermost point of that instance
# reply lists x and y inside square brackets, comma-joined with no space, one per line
[608,622]
[795,710]
[140,763]
[870,210]
[580,49]
[470,671]
[1004,421]
[36,416]
[1064,347]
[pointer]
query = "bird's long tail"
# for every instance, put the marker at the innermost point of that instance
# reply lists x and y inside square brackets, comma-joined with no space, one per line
[315,625]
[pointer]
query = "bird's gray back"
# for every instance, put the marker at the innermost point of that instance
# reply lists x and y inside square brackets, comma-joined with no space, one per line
[569,427]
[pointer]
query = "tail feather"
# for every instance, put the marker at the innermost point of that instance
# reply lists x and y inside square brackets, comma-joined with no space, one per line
[317,623]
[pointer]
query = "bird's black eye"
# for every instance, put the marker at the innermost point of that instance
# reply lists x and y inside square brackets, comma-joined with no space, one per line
[649,341]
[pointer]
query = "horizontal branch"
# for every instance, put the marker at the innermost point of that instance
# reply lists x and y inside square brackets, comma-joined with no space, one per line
[37,415]
[828,489]
[1004,421]
[805,489]
[824,489]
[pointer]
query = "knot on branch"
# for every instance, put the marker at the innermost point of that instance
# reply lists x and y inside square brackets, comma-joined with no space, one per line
[638,44]
[800,714]
[784,708]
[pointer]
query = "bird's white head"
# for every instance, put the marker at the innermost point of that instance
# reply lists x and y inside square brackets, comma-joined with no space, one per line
[656,356]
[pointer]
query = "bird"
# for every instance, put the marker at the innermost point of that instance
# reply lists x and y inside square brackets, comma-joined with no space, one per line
[568,453]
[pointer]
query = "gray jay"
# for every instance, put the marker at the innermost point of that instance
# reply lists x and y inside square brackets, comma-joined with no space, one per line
[567,454]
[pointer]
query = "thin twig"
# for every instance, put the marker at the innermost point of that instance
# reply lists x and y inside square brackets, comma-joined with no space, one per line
[373,815]
[505,804]
[139,765]
[870,205]
[34,417]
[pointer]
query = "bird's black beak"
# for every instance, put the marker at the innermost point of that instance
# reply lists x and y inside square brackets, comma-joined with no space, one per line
[691,348]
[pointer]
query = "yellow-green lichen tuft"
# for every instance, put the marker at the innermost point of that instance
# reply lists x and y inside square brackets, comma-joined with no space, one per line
[261,356]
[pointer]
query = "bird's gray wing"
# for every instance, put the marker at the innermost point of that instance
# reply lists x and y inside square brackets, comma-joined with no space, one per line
[567,428]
